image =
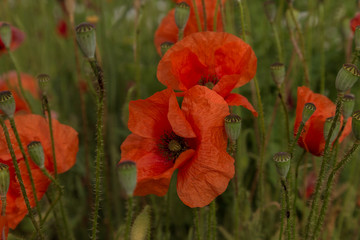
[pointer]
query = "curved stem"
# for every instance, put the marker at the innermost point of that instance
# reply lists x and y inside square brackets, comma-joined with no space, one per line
[18,175]
[288,210]
[197,224]
[204,14]
[278,44]
[13,126]
[286,114]
[298,134]
[198,22]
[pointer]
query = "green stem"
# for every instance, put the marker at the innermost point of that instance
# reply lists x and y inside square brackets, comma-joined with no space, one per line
[324,207]
[13,126]
[298,134]
[315,204]
[128,218]
[215,15]
[322,49]
[282,213]
[3,207]
[277,41]
[17,69]
[100,142]
[286,114]
[197,223]
[18,175]
[181,34]
[212,223]
[48,175]
[297,178]
[204,14]
[198,22]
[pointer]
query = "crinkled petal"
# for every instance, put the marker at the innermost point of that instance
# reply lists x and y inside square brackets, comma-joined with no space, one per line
[235,99]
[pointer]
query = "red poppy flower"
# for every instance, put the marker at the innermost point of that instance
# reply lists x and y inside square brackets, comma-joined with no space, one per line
[9,82]
[168,31]
[219,60]
[310,184]
[191,139]
[312,139]
[355,22]
[16,39]
[62,29]
[35,128]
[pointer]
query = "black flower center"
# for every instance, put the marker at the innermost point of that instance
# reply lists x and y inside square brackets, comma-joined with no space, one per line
[172,145]
[209,81]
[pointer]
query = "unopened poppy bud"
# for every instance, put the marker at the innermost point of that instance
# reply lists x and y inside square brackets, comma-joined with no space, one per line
[141,226]
[327,127]
[308,110]
[356,124]
[86,39]
[348,105]
[128,176]
[270,10]
[5,34]
[7,103]
[282,163]
[36,153]
[4,179]
[233,126]
[182,13]
[278,73]
[43,81]
[165,46]
[357,38]
[347,77]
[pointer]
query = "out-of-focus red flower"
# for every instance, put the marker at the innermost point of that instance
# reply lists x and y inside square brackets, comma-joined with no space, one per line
[355,22]
[35,128]
[16,39]
[310,185]
[62,29]
[191,139]
[219,60]
[168,31]
[9,81]
[312,138]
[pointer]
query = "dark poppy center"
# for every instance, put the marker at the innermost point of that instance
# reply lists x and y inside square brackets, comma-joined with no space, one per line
[172,145]
[209,81]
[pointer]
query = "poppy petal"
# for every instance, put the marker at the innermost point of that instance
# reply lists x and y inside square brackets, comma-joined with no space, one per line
[235,99]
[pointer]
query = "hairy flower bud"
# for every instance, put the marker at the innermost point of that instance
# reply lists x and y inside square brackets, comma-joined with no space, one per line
[182,13]
[278,73]
[233,126]
[86,38]
[347,77]
[142,224]
[308,110]
[282,162]
[327,127]
[7,103]
[36,153]
[4,179]
[348,106]
[128,176]
[6,34]
[43,81]
[356,125]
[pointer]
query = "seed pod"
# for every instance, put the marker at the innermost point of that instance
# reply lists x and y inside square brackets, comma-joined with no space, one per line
[6,34]
[348,106]
[356,124]
[270,10]
[36,153]
[233,126]
[43,81]
[4,179]
[7,103]
[347,77]
[278,73]
[308,110]
[86,39]
[182,13]
[165,46]
[128,176]
[282,163]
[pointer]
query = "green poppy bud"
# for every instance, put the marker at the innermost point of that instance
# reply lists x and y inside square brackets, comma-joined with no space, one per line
[357,38]
[7,103]
[270,10]
[128,176]
[36,153]
[233,126]
[142,224]
[182,13]
[278,73]
[165,46]
[356,125]
[282,163]
[86,39]
[4,180]
[308,110]
[327,127]
[6,34]
[348,105]
[347,77]
[43,81]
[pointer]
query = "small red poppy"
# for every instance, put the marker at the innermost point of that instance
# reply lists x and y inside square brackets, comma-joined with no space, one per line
[312,139]
[355,22]
[221,61]
[16,39]
[35,128]
[191,139]
[62,29]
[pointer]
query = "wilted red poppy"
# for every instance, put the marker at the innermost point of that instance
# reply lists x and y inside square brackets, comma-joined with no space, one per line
[9,81]
[220,61]
[191,139]
[168,31]
[35,128]
[16,39]
[62,29]
[312,139]
[355,22]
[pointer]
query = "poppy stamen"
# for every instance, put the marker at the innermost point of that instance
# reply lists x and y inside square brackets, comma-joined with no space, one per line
[209,81]
[172,145]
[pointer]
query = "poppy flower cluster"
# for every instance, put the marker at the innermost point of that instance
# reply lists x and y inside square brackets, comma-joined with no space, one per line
[17,37]
[203,69]
[312,139]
